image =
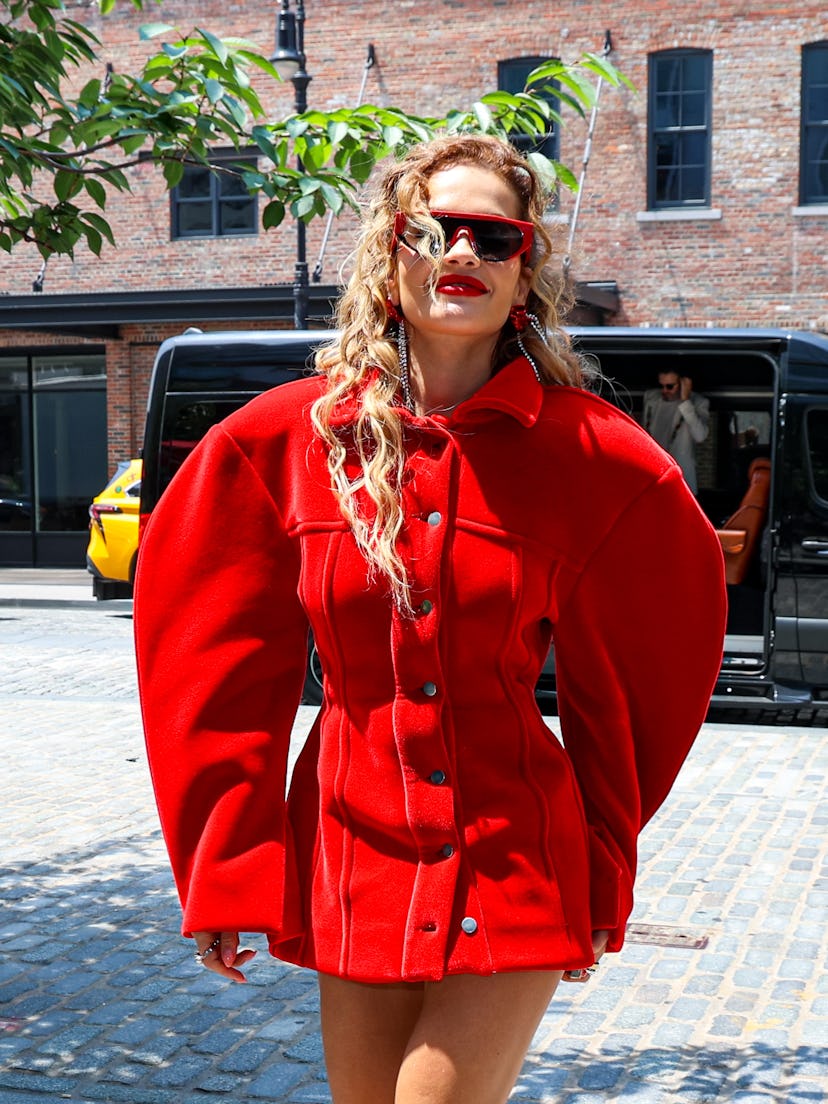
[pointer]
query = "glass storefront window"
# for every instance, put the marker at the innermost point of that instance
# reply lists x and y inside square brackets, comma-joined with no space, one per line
[53,449]
[15,446]
[70,438]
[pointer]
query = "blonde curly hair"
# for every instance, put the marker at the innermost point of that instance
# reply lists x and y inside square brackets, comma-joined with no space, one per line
[363,365]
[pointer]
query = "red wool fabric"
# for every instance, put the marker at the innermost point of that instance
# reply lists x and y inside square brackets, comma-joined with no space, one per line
[434,824]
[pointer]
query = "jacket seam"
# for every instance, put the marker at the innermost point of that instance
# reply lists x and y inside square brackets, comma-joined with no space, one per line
[257,476]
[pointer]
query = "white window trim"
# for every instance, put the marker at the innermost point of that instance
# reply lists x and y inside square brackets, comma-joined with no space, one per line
[680,214]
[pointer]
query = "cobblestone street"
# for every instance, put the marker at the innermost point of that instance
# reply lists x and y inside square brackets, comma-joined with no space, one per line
[721,993]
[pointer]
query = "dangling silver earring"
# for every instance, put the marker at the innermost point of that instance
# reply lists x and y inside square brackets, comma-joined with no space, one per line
[405,378]
[534,322]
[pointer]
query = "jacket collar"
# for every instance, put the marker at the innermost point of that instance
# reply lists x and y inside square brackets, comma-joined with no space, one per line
[514,390]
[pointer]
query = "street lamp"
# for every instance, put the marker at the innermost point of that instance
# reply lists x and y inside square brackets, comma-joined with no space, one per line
[289,62]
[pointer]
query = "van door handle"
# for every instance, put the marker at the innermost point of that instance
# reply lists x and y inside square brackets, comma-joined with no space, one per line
[813,544]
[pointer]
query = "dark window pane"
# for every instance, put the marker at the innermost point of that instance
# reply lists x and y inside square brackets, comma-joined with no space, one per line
[692,184]
[668,74]
[231,184]
[667,186]
[237,216]
[667,150]
[195,219]
[70,455]
[184,426]
[816,103]
[694,148]
[815,58]
[817,147]
[693,109]
[816,167]
[817,432]
[667,110]
[15,438]
[195,184]
[694,72]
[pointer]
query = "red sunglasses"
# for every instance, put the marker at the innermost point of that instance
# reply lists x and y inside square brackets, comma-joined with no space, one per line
[492,237]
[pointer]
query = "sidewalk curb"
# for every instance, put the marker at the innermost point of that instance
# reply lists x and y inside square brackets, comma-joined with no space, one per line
[119,604]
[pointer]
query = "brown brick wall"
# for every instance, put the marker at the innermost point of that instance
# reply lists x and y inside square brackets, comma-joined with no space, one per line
[759,264]
[756,264]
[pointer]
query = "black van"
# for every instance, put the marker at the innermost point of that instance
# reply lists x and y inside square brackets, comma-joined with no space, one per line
[762,472]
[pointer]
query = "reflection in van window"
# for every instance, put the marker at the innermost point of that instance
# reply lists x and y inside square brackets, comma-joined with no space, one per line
[183,426]
[750,427]
[817,436]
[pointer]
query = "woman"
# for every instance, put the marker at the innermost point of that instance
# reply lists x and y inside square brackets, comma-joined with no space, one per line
[440,501]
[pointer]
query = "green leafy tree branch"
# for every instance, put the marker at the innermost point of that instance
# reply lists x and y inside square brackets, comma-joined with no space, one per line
[62,154]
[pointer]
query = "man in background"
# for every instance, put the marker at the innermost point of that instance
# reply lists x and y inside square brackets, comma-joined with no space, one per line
[678,420]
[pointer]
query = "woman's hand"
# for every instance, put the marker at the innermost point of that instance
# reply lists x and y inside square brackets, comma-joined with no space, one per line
[599,945]
[219,952]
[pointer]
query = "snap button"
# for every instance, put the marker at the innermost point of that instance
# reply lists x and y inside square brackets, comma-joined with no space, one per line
[434,518]
[438,777]
[469,925]
[447,850]
[430,689]
[426,606]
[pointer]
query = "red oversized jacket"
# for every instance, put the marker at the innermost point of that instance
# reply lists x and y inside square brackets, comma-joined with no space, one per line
[434,823]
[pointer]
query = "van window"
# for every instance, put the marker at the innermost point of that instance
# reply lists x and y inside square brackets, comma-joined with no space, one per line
[184,424]
[817,445]
[200,379]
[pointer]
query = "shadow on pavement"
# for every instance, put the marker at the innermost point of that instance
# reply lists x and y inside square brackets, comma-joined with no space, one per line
[100,997]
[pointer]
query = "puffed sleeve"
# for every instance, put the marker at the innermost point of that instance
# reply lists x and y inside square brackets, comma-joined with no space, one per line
[221,642]
[638,647]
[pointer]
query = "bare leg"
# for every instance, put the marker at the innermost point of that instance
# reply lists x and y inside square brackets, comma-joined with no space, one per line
[366,1029]
[469,1043]
[458,1041]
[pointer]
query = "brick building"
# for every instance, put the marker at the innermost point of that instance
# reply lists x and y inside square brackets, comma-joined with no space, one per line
[705,203]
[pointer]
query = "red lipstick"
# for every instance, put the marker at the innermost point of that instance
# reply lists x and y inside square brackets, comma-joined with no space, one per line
[458,284]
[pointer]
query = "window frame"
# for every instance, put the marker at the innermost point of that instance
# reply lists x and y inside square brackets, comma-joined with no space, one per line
[682,203]
[817,471]
[550,144]
[810,53]
[220,159]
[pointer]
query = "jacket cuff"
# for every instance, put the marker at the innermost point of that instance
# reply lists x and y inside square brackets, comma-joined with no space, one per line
[610,896]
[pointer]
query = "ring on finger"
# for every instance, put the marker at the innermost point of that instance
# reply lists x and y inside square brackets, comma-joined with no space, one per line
[200,956]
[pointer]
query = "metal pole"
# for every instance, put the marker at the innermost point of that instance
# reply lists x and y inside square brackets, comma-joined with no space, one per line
[567,261]
[301,80]
[370,61]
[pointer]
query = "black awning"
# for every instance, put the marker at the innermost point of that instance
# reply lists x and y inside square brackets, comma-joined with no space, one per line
[102,315]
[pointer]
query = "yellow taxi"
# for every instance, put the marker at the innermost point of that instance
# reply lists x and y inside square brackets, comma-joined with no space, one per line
[113,533]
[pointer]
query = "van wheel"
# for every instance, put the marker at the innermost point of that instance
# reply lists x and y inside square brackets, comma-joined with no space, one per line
[312,693]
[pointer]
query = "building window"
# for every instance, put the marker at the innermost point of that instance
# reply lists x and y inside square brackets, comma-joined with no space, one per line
[813,177]
[52,442]
[213,202]
[511,77]
[679,113]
